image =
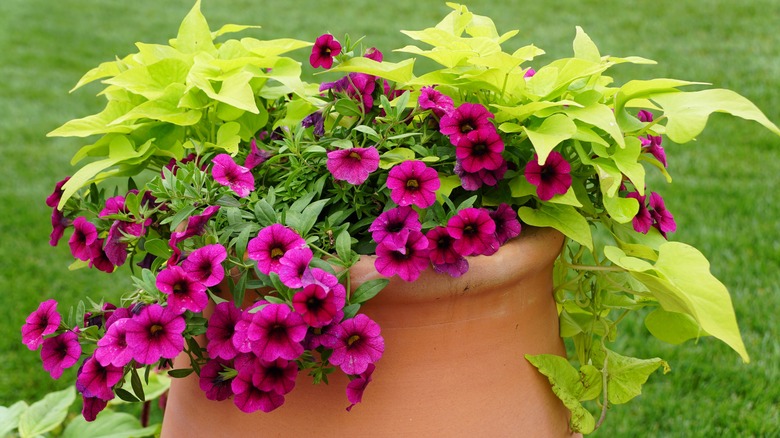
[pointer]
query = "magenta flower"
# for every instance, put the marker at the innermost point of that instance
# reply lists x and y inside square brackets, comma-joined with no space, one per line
[328,281]
[373,53]
[213,380]
[54,199]
[529,73]
[645,116]
[353,165]
[60,352]
[256,156]
[357,386]
[112,347]
[221,331]
[481,149]
[84,235]
[276,332]
[43,321]
[552,178]
[248,398]
[91,407]
[316,305]
[115,245]
[155,333]
[276,376]
[205,264]
[356,86]
[58,225]
[271,244]
[196,225]
[652,145]
[226,172]
[413,183]
[393,226]
[99,258]
[664,221]
[96,380]
[442,253]
[474,232]
[507,224]
[114,205]
[435,101]
[464,119]
[294,265]
[474,180]
[408,262]
[356,343]
[642,221]
[184,292]
[324,50]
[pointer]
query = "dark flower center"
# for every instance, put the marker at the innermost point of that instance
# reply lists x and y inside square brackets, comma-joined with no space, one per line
[277,331]
[156,330]
[412,184]
[355,156]
[469,230]
[547,173]
[352,339]
[444,242]
[466,127]
[479,149]
[313,303]
[395,227]
[277,253]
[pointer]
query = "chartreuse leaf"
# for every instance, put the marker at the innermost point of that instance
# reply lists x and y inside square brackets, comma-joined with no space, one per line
[567,384]
[109,424]
[227,137]
[628,374]
[600,116]
[232,28]
[164,108]
[194,34]
[99,123]
[400,72]
[688,111]
[563,218]
[584,47]
[273,47]
[550,133]
[104,70]
[47,413]
[681,282]
[9,417]
[672,327]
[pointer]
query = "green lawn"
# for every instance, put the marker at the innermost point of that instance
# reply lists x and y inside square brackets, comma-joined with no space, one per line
[725,198]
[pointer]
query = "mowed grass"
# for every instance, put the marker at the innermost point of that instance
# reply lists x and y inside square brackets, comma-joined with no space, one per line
[725,197]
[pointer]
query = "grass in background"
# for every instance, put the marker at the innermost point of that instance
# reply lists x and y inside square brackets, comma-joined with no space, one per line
[725,197]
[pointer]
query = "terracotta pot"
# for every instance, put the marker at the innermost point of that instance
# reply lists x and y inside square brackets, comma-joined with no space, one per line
[453,363]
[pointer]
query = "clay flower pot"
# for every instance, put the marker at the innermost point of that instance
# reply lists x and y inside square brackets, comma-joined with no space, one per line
[453,364]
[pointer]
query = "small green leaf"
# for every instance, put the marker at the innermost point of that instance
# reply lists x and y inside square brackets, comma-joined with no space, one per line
[672,327]
[194,34]
[628,374]
[180,372]
[344,245]
[563,218]
[550,133]
[348,107]
[138,387]
[368,290]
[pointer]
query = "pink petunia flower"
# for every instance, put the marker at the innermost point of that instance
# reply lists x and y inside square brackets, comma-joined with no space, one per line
[84,235]
[373,53]
[60,352]
[256,156]
[435,101]
[184,292]
[357,86]
[328,281]
[664,221]
[155,333]
[356,342]
[99,258]
[324,50]
[413,183]
[642,221]
[480,149]
[248,398]
[442,253]
[466,118]
[54,199]
[353,165]
[96,380]
[474,232]
[43,321]
[294,264]
[112,347]
[507,224]
[225,171]
[213,382]
[276,376]
[357,386]
[276,332]
[529,73]
[58,225]
[221,331]
[552,178]
[205,264]
[474,180]
[317,305]
[271,244]
[393,226]
[91,407]
[408,262]
[652,145]
[196,225]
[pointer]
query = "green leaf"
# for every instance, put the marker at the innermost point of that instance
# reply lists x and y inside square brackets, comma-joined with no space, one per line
[563,218]
[395,156]
[400,72]
[584,47]
[99,123]
[552,131]
[368,290]
[688,111]
[566,384]
[9,417]
[138,387]
[227,137]
[672,327]
[109,424]
[47,413]
[344,246]
[158,247]
[600,116]
[180,373]
[628,374]
[348,107]
[194,34]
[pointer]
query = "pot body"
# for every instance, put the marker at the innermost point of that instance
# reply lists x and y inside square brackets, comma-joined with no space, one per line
[453,364]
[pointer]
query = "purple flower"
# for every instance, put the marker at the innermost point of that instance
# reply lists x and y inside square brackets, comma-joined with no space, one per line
[474,232]
[357,86]
[43,321]
[96,380]
[474,180]
[315,119]
[324,50]
[213,381]
[353,165]
[221,331]
[155,333]
[464,119]
[642,221]
[276,332]
[248,398]
[58,225]
[552,178]
[357,386]
[328,281]
[645,116]
[256,156]
[226,172]
[664,221]
[408,262]
[442,253]
[112,347]
[205,264]
[53,200]
[84,235]
[91,407]
[114,205]
[184,292]
[99,258]
[393,226]
[276,376]
[652,145]
[316,305]
[529,73]
[507,224]
[413,183]
[481,149]
[60,352]
[294,265]
[271,244]
[356,343]
[373,53]
[434,100]
[196,225]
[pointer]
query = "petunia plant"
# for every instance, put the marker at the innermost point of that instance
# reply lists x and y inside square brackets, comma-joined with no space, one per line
[238,195]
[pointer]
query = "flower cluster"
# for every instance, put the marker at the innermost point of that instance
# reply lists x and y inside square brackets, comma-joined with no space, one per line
[260,191]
